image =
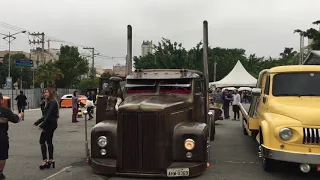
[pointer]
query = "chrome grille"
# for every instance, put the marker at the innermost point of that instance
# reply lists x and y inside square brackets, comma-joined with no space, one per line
[311,136]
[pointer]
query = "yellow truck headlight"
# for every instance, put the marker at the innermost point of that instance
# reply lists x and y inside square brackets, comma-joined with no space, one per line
[285,134]
[189,144]
[102,141]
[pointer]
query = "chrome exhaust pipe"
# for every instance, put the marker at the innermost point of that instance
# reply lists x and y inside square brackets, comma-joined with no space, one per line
[305,168]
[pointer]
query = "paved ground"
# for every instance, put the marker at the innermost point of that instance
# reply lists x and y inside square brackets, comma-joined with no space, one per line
[234,156]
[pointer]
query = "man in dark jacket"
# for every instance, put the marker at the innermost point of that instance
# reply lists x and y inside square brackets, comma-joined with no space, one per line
[227,98]
[6,115]
[21,102]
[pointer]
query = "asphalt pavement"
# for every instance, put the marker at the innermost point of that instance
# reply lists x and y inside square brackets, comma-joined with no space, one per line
[233,155]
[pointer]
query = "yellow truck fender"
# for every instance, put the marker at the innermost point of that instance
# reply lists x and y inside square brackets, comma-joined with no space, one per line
[263,136]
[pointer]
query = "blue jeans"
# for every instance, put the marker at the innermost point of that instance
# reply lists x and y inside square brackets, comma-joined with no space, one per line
[21,109]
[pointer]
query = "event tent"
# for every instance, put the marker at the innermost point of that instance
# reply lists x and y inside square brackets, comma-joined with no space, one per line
[238,77]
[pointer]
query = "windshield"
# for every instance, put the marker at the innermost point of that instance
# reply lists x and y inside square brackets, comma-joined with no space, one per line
[181,86]
[296,84]
[140,86]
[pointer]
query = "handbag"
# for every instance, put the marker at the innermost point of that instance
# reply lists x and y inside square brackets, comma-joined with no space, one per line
[89,103]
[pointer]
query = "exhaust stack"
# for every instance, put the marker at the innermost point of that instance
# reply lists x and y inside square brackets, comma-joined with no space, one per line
[205,66]
[129,50]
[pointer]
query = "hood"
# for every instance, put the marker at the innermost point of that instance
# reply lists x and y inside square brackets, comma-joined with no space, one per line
[152,102]
[305,109]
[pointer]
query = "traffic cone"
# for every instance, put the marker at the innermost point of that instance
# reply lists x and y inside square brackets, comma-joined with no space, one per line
[79,112]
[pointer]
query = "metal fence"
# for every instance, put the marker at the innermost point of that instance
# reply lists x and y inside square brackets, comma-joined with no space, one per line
[33,96]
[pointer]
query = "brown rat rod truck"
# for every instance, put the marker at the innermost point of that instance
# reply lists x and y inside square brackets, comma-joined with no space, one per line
[157,125]
[284,116]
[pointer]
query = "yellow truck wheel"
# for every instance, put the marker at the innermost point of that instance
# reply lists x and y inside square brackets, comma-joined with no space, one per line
[268,165]
[244,129]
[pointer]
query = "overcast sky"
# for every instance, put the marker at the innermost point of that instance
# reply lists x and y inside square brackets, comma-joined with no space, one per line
[263,27]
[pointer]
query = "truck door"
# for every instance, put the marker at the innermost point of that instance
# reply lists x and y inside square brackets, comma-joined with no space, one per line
[264,94]
[199,100]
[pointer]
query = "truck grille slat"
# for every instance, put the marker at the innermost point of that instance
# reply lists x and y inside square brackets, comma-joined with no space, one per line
[140,138]
[311,136]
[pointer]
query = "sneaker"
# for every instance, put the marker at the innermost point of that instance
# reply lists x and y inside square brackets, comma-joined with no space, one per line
[75,121]
[2,176]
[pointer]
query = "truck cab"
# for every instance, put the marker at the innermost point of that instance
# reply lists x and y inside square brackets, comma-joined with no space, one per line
[160,128]
[284,116]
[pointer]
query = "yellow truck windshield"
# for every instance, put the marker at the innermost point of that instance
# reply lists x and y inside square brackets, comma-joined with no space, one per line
[296,84]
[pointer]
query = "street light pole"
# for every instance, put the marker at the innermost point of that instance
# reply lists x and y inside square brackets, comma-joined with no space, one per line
[9,59]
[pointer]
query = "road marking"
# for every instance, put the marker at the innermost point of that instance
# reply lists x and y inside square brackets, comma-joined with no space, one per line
[53,175]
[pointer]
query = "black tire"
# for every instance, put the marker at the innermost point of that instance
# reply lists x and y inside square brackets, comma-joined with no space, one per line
[244,129]
[268,165]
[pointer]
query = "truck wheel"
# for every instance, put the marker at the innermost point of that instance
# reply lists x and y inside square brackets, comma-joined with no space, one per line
[213,132]
[268,165]
[244,129]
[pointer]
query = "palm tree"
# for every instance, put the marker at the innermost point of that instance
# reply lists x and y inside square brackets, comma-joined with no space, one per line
[49,74]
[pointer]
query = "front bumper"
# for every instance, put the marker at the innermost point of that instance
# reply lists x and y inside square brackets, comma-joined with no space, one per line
[302,158]
[109,167]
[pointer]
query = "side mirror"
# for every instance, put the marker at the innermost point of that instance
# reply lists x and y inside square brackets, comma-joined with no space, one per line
[256,91]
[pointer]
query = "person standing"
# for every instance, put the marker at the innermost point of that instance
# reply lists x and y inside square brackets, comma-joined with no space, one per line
[226,97]
[235,105]
[75,106]
[21,102]
[90,105]
[48,124]
[6,115]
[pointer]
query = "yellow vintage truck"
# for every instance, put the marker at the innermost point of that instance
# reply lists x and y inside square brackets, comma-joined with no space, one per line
[284,116]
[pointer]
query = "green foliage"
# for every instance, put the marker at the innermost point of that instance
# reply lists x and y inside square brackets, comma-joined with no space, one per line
[168,55]
[88,84]
[313,34]
[72,65]
[109,75]
[15,71]
[48,73]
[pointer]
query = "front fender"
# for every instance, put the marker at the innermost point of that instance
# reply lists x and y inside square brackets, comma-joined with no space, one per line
[193,130]
[108,129]
[271,126]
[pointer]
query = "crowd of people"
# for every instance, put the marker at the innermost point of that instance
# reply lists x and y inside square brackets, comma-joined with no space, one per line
[226,98]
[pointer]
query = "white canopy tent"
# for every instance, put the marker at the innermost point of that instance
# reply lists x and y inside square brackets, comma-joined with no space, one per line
[238,77]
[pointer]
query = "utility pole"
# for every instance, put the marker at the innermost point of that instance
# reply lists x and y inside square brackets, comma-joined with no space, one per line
[301,49]
[41,37]
[215,71]
[92,68]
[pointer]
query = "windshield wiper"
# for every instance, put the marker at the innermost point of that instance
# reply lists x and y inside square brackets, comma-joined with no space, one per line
[287,94]
[309,95]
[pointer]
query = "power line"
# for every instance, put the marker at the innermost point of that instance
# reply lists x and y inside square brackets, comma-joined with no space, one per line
[50,38]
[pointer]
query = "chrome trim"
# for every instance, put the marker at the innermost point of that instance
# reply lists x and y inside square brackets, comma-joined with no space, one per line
[302,158]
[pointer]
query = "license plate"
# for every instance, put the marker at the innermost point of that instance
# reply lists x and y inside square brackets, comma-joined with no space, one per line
[178,172]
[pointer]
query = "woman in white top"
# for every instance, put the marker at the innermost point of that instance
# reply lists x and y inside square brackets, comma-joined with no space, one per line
[235,105]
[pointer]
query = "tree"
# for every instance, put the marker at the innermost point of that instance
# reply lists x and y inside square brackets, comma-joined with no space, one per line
[313,34]
[288,53]
[88,83]
[48,74]
[72,65]
[109,75]
[15,72]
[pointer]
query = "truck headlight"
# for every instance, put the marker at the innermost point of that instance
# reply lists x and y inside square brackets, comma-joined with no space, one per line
[102,141]
[285,134]
[189,144]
